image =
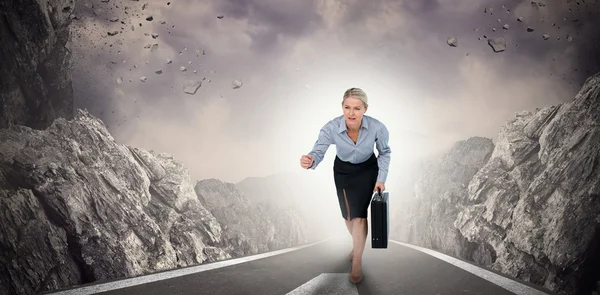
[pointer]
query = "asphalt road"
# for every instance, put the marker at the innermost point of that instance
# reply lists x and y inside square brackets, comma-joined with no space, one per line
[323,268]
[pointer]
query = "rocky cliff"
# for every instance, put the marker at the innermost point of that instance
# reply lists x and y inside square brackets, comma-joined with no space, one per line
[253,227]
[300,193]
[529,206]
[77,207]
[35,87]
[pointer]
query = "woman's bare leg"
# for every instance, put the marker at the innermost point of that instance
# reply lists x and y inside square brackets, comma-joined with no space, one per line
[359,237]
[349,226]
[349,223]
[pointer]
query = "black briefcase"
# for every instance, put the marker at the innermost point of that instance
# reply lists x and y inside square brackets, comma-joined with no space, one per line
[380,220]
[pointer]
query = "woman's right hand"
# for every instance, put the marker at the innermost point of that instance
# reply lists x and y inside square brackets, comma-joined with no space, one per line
[306,161]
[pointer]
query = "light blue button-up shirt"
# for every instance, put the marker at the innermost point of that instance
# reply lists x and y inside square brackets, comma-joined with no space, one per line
[372,132]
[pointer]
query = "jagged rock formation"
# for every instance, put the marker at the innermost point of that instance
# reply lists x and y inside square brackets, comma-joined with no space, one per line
[35,87]
[298,194]
[77,207]
[251,227]
[438,198]
[530,207]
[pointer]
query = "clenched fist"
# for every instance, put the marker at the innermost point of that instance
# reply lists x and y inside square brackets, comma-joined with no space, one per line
[306,161]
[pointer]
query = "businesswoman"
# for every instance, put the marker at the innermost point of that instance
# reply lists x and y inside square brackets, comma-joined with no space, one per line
[357,172]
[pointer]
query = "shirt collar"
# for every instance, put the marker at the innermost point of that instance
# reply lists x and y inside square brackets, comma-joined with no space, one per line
[343,128]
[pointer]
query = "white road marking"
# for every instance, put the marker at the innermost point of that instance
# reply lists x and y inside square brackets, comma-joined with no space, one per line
[506,283]
[327,284]
[103,287]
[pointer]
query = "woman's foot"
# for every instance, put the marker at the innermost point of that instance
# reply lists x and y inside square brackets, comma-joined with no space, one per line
[356,273]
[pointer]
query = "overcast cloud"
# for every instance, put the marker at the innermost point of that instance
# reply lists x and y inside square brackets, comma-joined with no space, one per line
[296,58]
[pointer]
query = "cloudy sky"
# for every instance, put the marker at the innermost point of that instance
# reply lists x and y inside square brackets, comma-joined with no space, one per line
[296,58]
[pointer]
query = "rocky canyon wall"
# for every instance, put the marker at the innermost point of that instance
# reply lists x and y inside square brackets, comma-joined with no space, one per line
[77,207]
[527,206]
[35,87]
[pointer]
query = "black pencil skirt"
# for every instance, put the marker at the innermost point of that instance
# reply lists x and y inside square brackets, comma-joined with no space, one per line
[354,184]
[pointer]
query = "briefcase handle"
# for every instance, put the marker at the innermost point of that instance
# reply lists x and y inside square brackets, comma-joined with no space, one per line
[378,197]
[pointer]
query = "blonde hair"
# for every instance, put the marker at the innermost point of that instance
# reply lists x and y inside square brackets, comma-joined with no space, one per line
[356,93]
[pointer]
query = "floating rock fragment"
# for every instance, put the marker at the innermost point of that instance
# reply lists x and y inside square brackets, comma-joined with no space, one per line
[154,47]
[546,36]
[497,44]
[219,16]
[191,86]
[150,18]
[119,81]
[112,33]
[169,61]
[236,84]
[505,27]
[529,29]
[182,68]
[520,19]
[154,35]
[452,41]
[159,71]
[143,78]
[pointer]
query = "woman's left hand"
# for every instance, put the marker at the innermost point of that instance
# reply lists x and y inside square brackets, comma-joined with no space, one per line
[379,185]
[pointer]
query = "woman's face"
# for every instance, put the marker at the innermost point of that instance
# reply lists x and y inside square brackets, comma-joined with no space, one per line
[353,111]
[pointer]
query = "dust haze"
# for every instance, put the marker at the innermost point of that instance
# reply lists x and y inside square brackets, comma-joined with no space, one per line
[295,59]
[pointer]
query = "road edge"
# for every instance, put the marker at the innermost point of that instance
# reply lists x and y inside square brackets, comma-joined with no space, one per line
[94,288]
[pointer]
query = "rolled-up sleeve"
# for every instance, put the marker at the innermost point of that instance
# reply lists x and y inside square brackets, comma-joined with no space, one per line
[383,147]
[321,145]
